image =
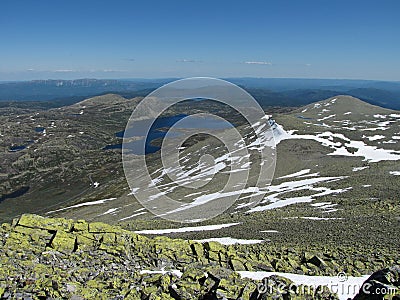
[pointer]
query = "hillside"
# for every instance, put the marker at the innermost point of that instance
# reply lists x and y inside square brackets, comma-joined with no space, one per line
[336,169]
[331,207]
[337,166]
[56,155]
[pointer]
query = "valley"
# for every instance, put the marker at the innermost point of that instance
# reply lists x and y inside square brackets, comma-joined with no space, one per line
[335,187]
[336,168]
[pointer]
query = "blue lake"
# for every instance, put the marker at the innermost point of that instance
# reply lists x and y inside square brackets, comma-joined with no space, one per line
[304,118]
[114,146]
[15,194]
[159,129]
[19,147]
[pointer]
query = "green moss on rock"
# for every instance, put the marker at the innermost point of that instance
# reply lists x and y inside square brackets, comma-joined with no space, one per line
[34,221]
[63,242]
[57,258]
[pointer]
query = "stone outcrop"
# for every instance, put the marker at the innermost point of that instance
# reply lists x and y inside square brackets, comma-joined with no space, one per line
[48,258]
[383,284]
[53,258]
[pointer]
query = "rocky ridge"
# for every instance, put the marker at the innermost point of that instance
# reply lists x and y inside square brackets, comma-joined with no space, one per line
[53,258]
[47,258]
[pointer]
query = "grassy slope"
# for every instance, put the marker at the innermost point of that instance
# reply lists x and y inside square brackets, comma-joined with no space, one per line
[369,215]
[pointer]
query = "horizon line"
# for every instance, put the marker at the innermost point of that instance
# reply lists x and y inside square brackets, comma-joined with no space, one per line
[182,77]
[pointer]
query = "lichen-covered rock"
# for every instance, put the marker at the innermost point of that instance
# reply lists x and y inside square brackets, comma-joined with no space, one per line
[34,221]
[198,250]
[54,258]
[81,225]
[98,227]
[63,242]
[214,247]
[237,265]
[317,261]
[85,240]
[383,284]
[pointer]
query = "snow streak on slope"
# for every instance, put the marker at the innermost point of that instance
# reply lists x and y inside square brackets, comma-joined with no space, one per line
[97,202]
[297,174]
[186,229]
[213,173]
[231,241]
[275,198]
[370,153]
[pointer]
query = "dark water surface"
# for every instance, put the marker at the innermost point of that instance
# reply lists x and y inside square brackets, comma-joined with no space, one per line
[159,129]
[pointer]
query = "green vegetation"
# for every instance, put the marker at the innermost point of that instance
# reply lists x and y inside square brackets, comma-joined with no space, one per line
[68,257]
[59,258]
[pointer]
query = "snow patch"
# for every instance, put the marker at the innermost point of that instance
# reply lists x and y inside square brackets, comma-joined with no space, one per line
[375,137]
[134,215]
[355,169]
[186,229]
[231,241]
[320,218]
[97,202]
[370,153]
[302,172]
[306,184]
[110,211]
[328,117]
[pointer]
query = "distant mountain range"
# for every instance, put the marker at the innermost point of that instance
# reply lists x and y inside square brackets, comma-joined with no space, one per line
[267,91]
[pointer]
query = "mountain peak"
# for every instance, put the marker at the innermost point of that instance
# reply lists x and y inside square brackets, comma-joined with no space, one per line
[102,99]
[341,106]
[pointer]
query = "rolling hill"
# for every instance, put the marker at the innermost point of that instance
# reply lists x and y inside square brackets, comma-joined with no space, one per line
[333,192]
[332,156]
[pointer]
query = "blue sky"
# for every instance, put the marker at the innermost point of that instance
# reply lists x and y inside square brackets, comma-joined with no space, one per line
[153,39]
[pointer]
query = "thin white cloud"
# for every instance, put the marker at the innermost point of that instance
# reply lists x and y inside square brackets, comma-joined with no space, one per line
[64,71]
[188,60]
[258,63]
[112,71]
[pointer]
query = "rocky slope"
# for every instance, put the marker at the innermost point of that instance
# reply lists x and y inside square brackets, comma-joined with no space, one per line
[47,258]
[44,258]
